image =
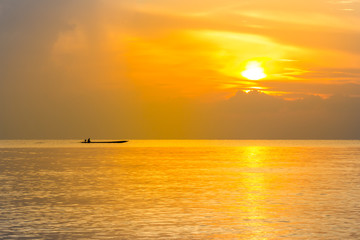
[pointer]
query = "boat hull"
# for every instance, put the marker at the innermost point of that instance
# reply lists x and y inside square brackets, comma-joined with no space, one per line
[106,142]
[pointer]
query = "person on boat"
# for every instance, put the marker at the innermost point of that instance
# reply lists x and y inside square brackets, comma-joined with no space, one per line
[85,141]
[88,140]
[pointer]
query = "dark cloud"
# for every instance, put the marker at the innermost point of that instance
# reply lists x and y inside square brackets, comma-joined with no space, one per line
[257,115]
[42,99]
[301,88]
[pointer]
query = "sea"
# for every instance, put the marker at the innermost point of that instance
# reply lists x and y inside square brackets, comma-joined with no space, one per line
[180,189]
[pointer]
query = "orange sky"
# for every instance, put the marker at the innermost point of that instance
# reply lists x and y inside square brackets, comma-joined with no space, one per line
[131,59]
[199,50]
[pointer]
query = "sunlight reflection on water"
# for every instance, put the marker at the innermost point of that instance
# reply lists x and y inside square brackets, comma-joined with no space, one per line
[228,190]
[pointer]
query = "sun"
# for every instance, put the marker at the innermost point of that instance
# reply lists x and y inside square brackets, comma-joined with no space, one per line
[253,71]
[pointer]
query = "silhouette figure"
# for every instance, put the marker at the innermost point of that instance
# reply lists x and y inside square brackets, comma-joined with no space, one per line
[88,140]
[85,141]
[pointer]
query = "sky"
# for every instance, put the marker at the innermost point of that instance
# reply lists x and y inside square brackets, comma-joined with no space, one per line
[164,69]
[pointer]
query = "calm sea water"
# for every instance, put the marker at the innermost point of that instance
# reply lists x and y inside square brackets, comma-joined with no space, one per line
[180,190]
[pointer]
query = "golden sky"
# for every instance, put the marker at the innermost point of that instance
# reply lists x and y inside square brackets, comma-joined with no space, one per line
[188,49]
[157,65]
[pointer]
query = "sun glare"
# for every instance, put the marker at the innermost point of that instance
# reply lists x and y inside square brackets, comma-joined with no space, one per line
[253,71]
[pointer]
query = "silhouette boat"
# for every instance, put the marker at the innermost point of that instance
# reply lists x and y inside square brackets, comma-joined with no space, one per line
[105,142]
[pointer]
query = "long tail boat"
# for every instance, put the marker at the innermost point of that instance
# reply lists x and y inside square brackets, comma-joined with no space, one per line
[104,142]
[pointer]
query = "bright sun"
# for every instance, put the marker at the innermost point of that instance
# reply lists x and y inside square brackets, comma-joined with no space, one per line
[253,71]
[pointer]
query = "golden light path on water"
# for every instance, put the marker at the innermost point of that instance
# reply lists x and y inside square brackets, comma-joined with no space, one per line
[180,190]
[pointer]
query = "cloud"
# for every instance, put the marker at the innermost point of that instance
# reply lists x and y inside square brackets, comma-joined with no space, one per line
[57,76]
[257,115]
